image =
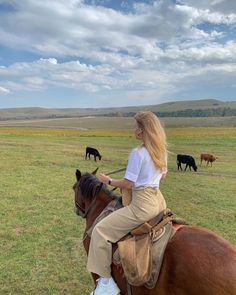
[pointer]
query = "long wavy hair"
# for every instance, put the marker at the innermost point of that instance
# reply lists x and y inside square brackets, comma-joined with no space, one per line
[154,138]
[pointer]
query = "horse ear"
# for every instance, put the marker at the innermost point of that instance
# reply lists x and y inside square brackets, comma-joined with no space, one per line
[78,174]
[95,171]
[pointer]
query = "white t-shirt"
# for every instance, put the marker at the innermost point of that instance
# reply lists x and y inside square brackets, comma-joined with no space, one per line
[141,169]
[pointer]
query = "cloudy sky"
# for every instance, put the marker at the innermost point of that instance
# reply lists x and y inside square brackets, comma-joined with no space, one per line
[102,53]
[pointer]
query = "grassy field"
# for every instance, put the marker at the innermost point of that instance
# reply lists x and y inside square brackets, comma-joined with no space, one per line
[119,122]
[41,251]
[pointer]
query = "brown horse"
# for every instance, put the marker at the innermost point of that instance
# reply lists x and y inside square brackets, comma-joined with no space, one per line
[196,260]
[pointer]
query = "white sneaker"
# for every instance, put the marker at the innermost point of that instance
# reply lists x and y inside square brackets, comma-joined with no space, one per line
[106,289]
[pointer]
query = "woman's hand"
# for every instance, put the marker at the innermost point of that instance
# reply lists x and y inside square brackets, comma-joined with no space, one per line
[121,183]
[104,178]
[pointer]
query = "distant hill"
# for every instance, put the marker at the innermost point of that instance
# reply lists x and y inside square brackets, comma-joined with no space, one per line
[190,108]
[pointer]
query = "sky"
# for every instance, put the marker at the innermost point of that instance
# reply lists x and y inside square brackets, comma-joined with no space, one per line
[110,53]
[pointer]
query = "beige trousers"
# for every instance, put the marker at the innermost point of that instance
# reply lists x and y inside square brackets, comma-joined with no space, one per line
[146,203]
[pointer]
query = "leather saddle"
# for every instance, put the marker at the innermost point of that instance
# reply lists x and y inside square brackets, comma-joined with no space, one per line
[139,253]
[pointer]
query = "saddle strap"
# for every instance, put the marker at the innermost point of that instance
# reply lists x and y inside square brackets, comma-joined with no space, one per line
[157,227]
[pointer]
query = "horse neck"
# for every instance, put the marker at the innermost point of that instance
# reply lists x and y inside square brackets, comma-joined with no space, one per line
[102,200]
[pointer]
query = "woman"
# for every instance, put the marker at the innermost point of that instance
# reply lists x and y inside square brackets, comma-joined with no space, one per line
[147,165]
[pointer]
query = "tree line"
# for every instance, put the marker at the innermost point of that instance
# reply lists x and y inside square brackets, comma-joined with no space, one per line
[209,112]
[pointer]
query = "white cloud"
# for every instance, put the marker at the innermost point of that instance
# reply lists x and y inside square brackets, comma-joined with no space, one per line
[155,49]
[211,53]
[71,28]
[52,61]
[44,73]
[4,90]
[223,6]
[174,69]
[199,15]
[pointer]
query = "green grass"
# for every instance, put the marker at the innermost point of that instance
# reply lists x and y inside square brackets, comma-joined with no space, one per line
[119,122]
[41,251]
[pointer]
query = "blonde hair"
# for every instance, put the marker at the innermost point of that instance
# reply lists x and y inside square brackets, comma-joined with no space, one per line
[154,138]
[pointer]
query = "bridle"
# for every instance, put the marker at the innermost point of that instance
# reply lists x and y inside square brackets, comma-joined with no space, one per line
[79,210]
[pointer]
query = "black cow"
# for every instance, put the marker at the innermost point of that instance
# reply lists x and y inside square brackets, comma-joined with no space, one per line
[94,152]
[188,160]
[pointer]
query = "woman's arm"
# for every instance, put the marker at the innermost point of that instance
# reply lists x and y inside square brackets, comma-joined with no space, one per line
[164,173]
[121,183]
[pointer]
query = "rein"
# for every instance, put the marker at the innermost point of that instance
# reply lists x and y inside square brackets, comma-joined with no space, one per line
[113,172]
[116,171]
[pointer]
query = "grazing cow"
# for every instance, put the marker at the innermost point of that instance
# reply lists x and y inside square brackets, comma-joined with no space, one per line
[188,160]
[208,158]
[94,152]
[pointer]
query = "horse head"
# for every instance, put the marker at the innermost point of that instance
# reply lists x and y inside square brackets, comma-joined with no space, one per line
[86,189]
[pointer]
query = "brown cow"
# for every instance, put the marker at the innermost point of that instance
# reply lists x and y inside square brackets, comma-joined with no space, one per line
[208,158]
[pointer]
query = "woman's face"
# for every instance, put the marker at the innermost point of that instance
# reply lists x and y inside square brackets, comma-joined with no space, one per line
[137,130]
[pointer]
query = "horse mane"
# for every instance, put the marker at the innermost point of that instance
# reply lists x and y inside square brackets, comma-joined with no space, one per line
[90,186]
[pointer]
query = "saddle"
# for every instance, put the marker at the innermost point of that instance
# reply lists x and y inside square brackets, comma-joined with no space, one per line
[139,253]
